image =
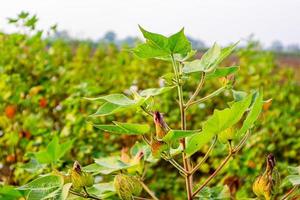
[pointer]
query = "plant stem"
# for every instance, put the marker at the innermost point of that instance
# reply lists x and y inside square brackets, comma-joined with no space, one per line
[175,164]
[148,191]
[215,93]
[86,195]
[232,151]
[186,161]
[141,198]
[205,156]
[289,193]
[200,85]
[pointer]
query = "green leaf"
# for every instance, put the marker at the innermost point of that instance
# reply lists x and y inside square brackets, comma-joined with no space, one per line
[137,129]
[179,44]
[8,192]
[162,47]
[42,194]
[210,60]
[294,179]
[111,164]
[125,128]
[102,190]
[155,91]
[238,95]
[219,192]
[116,103]
[173,135]
[206,63]
[225,52]
[148,51]
[294,170]
[98,169]
[54,151]
[157,40]
[117,99]
[43,183]
[253,113]
[218,122]
[222,72]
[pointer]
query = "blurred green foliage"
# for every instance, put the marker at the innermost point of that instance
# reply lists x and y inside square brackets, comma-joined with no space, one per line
[43,82]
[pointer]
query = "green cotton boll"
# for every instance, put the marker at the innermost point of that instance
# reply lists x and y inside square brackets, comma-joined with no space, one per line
[80,178]
[127,186]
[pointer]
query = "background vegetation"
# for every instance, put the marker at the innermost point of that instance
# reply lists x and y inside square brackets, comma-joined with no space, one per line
[43,82]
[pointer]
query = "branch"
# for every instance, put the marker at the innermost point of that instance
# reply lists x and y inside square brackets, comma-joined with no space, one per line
[215,93]
[175,164]
[147,111]
[205,156]
[200,85]
[289,193]
[232,151]
[86,195]
[148,191]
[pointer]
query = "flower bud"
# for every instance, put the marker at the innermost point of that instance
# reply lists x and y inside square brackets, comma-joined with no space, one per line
[160,125]
[265,184]
[127,186]
[80,178]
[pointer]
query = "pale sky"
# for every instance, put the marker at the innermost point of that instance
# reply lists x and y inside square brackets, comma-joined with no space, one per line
[223,21]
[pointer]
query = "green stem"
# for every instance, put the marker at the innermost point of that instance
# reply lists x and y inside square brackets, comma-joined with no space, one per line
[86,195]
[232,151]
[148,191]
[200,85]
[205,156]
[289,193]
[186,161]
[215,93]
[175,164]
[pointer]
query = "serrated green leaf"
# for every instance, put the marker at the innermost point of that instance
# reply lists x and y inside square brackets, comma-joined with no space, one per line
[218,122]
[155,91]
[222,72]
[174,135]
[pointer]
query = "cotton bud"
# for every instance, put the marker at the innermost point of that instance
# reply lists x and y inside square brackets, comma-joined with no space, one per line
[265,184]
[127,186]
[160,125]
[80,178]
